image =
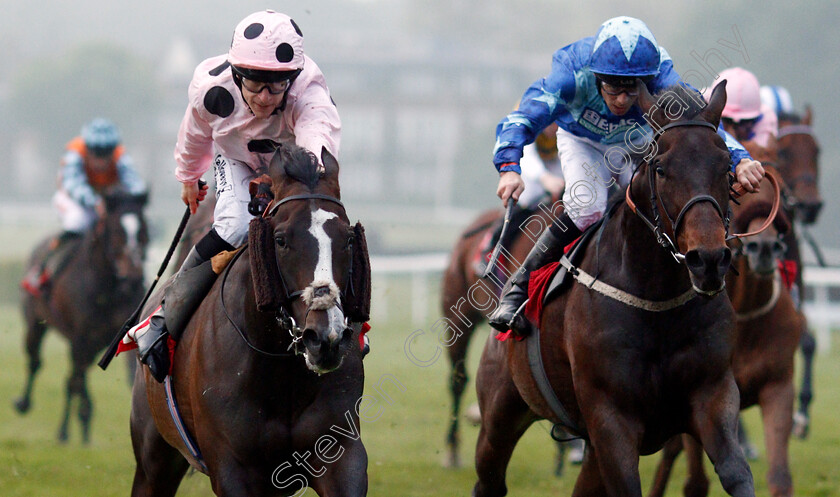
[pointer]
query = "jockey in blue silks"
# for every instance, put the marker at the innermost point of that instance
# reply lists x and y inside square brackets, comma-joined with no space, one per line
[591,94]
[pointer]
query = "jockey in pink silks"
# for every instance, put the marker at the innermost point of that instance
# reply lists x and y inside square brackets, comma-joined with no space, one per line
[242,105]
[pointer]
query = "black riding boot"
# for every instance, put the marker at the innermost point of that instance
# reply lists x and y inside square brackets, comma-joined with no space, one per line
[188,288]
[509,314]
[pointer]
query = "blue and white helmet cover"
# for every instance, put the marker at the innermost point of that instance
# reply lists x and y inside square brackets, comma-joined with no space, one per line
[624,46]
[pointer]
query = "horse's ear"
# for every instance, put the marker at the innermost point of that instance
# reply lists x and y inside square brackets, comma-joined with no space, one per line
[809,114]
[645,100]
[716,104]
[329,162]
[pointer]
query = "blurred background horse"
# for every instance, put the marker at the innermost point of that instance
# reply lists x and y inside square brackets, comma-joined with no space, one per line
[89,299]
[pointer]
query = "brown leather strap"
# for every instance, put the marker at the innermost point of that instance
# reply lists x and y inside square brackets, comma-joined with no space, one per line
[739,190]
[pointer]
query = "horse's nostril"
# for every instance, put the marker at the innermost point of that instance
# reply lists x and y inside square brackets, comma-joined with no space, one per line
[693,260]
[699,261]
[311,340]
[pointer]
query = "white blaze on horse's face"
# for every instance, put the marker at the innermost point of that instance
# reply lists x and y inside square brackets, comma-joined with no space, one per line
[323,270]
[323,276]
[131,225]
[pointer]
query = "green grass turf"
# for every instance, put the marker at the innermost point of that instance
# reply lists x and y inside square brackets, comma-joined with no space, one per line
[405,444]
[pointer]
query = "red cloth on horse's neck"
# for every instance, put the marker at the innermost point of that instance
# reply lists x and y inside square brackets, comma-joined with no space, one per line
[788,270]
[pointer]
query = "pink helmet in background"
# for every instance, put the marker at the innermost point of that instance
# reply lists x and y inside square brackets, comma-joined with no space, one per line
[743,95]
[267,41]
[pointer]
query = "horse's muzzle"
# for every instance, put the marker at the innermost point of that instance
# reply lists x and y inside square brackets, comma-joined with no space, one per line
[323,336]
[707,269]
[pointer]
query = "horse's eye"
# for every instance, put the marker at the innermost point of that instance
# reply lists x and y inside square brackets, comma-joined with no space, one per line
[660,171]
[280,240]
[349,242]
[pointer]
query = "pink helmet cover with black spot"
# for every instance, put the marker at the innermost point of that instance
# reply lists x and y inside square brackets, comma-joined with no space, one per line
[267,41]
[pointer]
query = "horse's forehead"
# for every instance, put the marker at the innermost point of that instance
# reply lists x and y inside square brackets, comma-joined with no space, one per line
[131,223]
[318,219]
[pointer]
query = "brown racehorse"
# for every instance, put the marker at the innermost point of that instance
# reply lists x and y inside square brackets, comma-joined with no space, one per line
[768,328]
[465,304]
[262,383]
[87,301]
[799,167]
[632,376]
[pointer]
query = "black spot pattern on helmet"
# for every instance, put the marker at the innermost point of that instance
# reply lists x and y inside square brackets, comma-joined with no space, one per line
[253,30]
[219,69]
[284,53]
[297,29]
[218,101]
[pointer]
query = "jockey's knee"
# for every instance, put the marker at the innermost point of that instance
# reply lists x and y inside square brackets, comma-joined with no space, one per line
[584,219]
[214,243]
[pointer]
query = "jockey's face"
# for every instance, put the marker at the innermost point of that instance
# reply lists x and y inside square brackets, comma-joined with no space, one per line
[741,130]
[619,99]
[262,102]
[98,164]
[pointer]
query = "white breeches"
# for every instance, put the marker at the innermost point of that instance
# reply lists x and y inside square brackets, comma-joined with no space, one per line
[231,217]
[590,168]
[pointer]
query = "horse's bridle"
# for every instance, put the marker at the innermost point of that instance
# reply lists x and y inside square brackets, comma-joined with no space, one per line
[655,225]
[284,318]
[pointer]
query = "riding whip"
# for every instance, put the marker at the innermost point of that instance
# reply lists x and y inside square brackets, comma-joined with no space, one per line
[112,348]
[494,257]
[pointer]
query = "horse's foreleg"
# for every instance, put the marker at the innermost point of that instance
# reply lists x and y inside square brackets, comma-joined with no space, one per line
[82,353]
[85,410]
[614,440]
[458,379]
[669,452]
[808,345]
[504,419]
[715,423]
[589,482]
[560,462]
[34,336]
[696,482]
[70,389]
[346,477]
[776,403]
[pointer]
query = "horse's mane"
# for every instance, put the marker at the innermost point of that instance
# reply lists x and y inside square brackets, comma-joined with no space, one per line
[686,95]
[299,164]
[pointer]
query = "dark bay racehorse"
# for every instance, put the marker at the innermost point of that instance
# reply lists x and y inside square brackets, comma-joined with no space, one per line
[768,329]
[89,299]
[267,374]
[630,377]
[798,155]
